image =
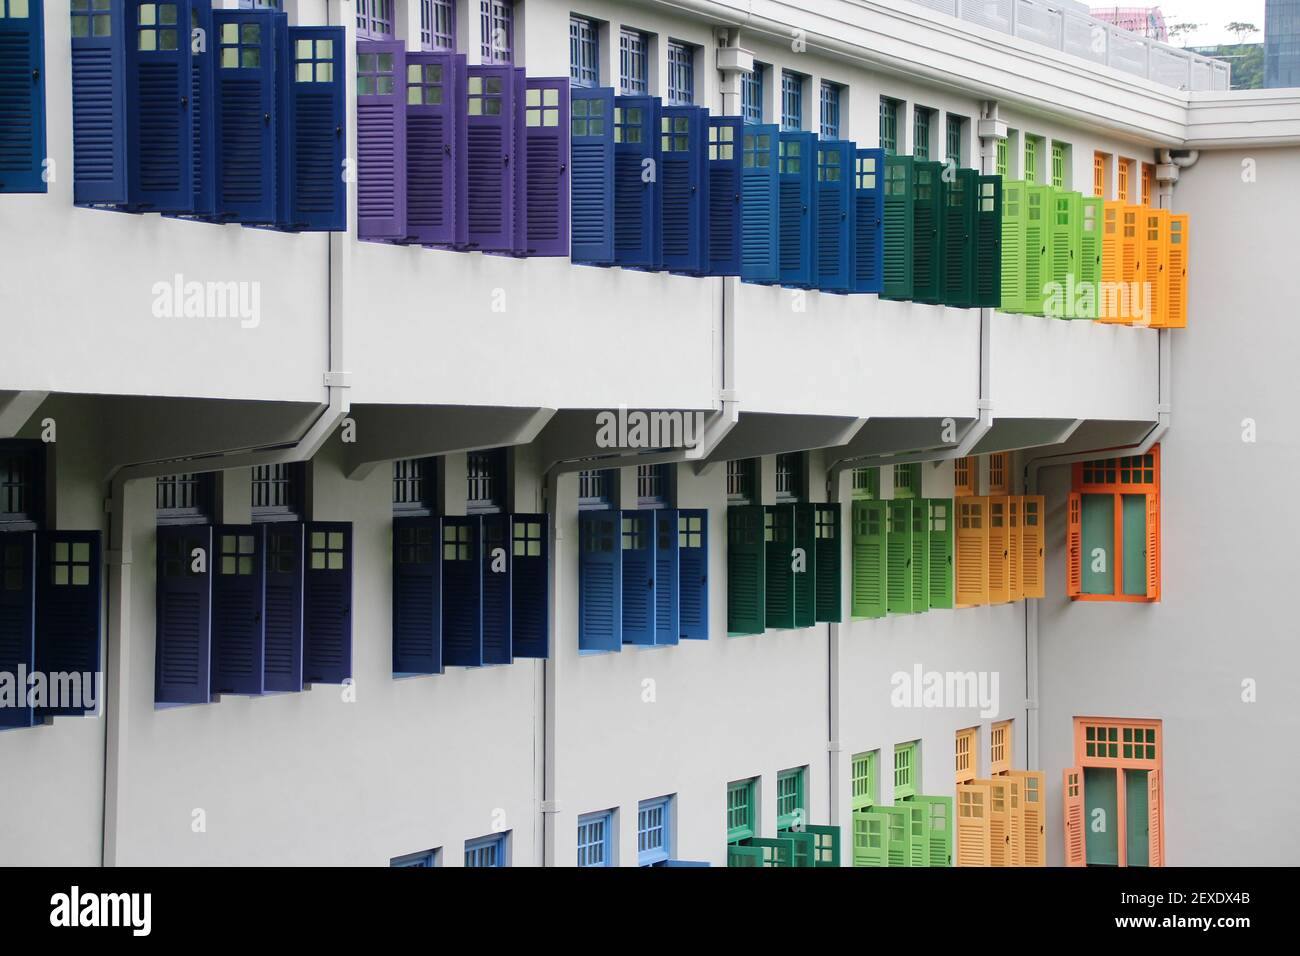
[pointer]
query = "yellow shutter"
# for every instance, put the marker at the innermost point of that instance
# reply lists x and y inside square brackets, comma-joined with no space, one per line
[1031,804]
[1015,585]
[999,590]
[1032,515]
[973,834]
[972,553]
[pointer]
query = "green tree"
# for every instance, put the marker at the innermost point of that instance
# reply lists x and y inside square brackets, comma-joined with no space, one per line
[1241,30]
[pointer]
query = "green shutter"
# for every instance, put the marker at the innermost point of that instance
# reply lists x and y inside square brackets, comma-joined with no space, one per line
[918,824]
[827,563]
[1092,212]
[898,227]
[987,247]
[898,546]
[907,481]
[898,826]
[1037,205]
[744,856]
[939,560]
[1003,167]
[826,850]
[866,482]
[904,771]
[927,179]
[803,844]
[776,852]
[805,581]
[1013,247]
[863,775]
[745,579]
[870,838]
[869,559]
[778,579]
[939,828]
[1066,252]
[920,556]
[957,262]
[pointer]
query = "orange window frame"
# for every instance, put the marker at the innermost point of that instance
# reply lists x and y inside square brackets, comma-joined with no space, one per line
[1128,475]
[999,476]
[1099,175]
[1123,475]
[1148,182]
[1125,174]
[1092,752]
[963,477]
[1000,748]
[966,754]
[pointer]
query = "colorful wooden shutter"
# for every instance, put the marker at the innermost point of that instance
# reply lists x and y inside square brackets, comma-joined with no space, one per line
[282,660]
[869,559]
[938,825]
[22,98]
[530,573]
[963,477]
[836,214]
[1036,239]
[667,579]
[1016,818]
[317,138]
[918,824]
[69,610]
[99,102]
[546,166]
[999,549]
[488,191]
[17,620]
[899,228]
[1155,820]
[746,573]
[519,179]
[1014,217]
[435,86]
[974,835]
[927,226]
[637,182]
[870,838]
[1176,294]
[987,247]
[244,112]
[869,221]
[1074,546]
[592,185]
[497,608]
[693,557]
[417,596]
[760,231]
[971,571]
[1131,263]
[1092,213]
[1063,244]
[1072,829]
[1015,582]
[726,174]
[462,591]
[797,211]
[637,542]
[1000,853]
[685,195]
[827,563]
[898,825]
[1155,265]
[920,555]
[1152,546]
[899,594]
[159,126]
[327,603]
[1112,218]
[804,573]
[826,845]
[202,101]
[957,190]
[183,620]
[779,537]
[1034,824]
[381,139]
[939,558]
[238,609]
[744,856]
[600,581]
[1032,513]
[775,852]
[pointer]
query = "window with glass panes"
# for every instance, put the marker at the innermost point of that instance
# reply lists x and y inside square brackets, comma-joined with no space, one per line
[1149,178]
[486,851]
[740,810]
[955,126]
[1131,470]
[375,74]
[653,823]
[966,748]
[863,776]
[277,492]
[907,481]
[742,481]
[91,19]
[1120,742]
[905,771]
[963,477]
[866,482]
[485,480]
[1032,144]
[790,810]
[19,486]
[1002,160]
[922,119]
[889,125]
[414,486]
[633,62]
[1060,153]
[497,21]
[375,19]
[789,476]
[424,860]
[1000,747]
[999,473]
[830,103]
[652,485]
[1099,175]
[183,498]
[791,100]
[681,73]
[1125,171]
[751,94]
[437,25]
[594,839]
[584,62]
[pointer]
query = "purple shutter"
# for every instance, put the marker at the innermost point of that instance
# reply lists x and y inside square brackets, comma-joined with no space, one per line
[546,161]
[488,190]
[519,239]
[381,139]
[432,146]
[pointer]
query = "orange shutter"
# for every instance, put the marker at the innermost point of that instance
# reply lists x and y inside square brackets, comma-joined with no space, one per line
[999,477]
[1177,299]
[1016,822]
[1155,821]
[1099,174]
[1072,790]
[1111,221]
[963,477]
[1015,586]
[1148,182]
[1153,546]
[965,755]
[972,824]
[1032,514]
[1031,804]
[999,592]
[1074,547]
[972,552]
[1125,166]
[999,820]
[1155,265]
[1131,273]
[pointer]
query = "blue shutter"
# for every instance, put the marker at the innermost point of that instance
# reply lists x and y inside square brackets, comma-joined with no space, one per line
[797,212]
[545,157]
[693,555]
[690,863]
[519,181]
[868,221]
[17,620]
[685,193]
[327,603]
[159,125]
[496,589]
[462,592]
[22,101]
[282,663]
[417,596]
[726,139]
[667,577]
[600,581]
[759,225]
[68,609]
[183,621]
[530,573]
[638,172]
[435,84]
[203,131]
[490,149]
[592,183]
[835,215]
[238,609]
[316,138]
[99,109]
[245,115]
[637,542]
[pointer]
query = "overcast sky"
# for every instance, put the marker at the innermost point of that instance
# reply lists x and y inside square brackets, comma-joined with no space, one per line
[1214,13]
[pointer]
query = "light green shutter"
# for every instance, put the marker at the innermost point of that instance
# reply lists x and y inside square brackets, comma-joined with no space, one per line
[939,560]
[869,559]
[870,838]
[745,578]
[918,823]
[1092,212]
[1013,246]
[939,828]
[920,556]
[899,557]
[899,829]
[829,548]
[778,534]
[1036,231]
[1066,251]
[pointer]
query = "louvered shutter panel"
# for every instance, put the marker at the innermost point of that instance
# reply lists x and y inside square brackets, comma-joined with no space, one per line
[17,621]
[827,563]
[1031,804]
[927,226]
[746,574]
[797,209]
[238,609]
[869,221]
[918,824]
[1015,585]
[1063,252]
[69,611]
[417,594]
[1074,546]
[99,108]
[973,831]
[490,151]
[937,815]
[381,139]
[836,215]
[530,574]
[1155,264]
[958,244]
[684,196]
[744,856]
[462,591]
[899,547]
[995,513]
[939,559]
[434,88]
[693,547]
[203,131]
[1091,212]
[600,581]
[1176,296]
[805,581]
[496,605]
[518,163]
[1032,512]
[592,152]
[1015,822]
[970,563]
[1155,820]
[987,248]
[1014,215]
[638,174]
[546,166]
[667,577]
[920,556]
[870,838]
[22,100]
[1036,238]
[1072,830]
[315,144]
[183,645]
[1132,264]
[244,111]
[159,125]
[760,229]
[726,137]
[1152,546]
[282,661]
[327,603]
[999,821]
[779,532]
[869,559]
[899,825]
[899,227]
[637,534]
[1111,226]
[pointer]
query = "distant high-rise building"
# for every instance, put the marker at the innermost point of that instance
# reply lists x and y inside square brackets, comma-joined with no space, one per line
[1281,43]
[1144,21]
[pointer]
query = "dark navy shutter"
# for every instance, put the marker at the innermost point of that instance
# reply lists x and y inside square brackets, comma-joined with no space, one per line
[600,581]
[68,613]
[805,581]
[530,585]
[868,221]
[203,46]
[760,230]
[159,126]
[99,110]
[462,592]
[637,544]
[282,662]
[684,196]
[592,151]
[381,139]
[22,101]
[17,621]
[693,557]
[238,609]
[667,578]
[183,624]
[417,596]
[316,140]
[434,86]
[638,174]
[726,138]
[489,189]
[244,112]
[496,589]
[327,603]
[546,162]
[835,215]
[797,210]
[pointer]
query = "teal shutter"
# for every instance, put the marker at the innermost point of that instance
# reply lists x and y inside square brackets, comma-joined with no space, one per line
[898,227]
[926,227]
[956,265]
[869,559]
[778,538]
[805,580]
[939,559]
[898,537]
[987,247]
[826,849]
[827,563]
[746,553]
